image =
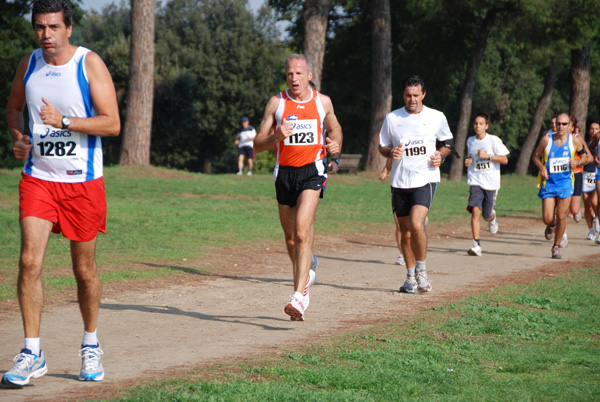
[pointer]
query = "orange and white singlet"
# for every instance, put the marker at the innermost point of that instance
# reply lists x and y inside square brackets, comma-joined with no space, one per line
[306,145]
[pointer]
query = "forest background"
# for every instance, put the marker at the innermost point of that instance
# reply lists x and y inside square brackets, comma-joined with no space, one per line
[519,61]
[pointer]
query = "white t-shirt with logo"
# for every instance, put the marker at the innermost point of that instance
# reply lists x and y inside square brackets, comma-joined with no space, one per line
[483,172]
[417,133]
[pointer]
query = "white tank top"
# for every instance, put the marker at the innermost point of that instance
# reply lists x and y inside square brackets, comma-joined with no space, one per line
[61,155]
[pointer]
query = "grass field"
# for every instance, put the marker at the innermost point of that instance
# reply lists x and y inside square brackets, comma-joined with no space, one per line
[537,342]
[158,215]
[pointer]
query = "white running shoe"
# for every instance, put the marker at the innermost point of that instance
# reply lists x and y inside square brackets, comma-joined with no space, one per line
[249,173]
[400,260]
[598,239]
[493,224]
[409,286]
[27,366]
[312,278]
[423,284]
[577,217]
[295,308]
[564,242]
[596,225]
[239,173]
[475,250]
[91,363]
[591,234]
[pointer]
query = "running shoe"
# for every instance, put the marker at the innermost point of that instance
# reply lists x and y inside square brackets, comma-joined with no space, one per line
[27,366]
[400,260]
[239,173]
[249,173]
[475,250]
[591,234]
[423,284]
[314,264]
[564,242]
[549,231]
[295,308]
[577,217]
[556,252]
[91,363]
[312,278]
[493,224]
[598,239]
[409,286]
[596,225]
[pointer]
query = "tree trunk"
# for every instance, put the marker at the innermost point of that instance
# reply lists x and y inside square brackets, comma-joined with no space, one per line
[466,97]
[138,126]
[581,67]
[381,78]
[315,16]
[538,118]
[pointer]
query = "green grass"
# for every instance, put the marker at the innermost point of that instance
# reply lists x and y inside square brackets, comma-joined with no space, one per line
[537,342]
[159,216]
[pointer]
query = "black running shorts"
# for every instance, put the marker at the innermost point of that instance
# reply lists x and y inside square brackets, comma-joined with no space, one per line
[403,199]
[291,181]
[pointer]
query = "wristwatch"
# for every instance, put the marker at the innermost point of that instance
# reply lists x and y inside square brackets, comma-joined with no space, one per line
[491,156]
[336,160]
[66,122]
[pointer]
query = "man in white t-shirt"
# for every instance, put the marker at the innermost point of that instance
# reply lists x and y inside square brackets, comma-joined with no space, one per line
[408,136]
[485,154]
[245,143]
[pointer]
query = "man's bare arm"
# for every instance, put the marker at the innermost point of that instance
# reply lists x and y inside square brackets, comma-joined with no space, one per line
[266,139]
[102,90]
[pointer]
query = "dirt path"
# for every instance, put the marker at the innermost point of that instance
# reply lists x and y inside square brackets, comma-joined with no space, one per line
[236,312]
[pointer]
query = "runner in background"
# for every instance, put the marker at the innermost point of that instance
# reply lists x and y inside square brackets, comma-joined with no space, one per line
[485,154]
[555,159]
[590,198]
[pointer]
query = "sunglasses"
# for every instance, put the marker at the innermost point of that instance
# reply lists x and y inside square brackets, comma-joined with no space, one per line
[561,124]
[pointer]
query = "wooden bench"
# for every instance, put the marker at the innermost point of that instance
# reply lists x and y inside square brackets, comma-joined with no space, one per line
[350,162]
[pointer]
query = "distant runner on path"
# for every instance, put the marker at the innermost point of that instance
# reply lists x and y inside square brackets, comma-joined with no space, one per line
[555,158]
[485,154]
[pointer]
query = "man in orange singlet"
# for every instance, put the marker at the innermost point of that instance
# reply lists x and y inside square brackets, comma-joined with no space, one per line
[293,126]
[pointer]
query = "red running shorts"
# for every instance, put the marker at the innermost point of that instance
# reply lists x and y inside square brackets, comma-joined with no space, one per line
[78,210]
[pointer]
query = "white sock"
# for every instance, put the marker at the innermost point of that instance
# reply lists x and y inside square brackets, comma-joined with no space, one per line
[90,338]
[33,344]
[420,266]
[411,271]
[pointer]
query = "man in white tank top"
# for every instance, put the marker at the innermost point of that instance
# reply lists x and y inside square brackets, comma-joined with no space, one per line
[71,103]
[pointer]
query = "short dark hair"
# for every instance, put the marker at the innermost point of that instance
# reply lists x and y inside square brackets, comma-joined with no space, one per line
[413,81]
[52,6]
[485,116]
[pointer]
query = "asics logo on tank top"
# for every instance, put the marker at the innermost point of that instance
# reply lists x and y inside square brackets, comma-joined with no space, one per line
[299,107]
[292,117]
[52,74]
